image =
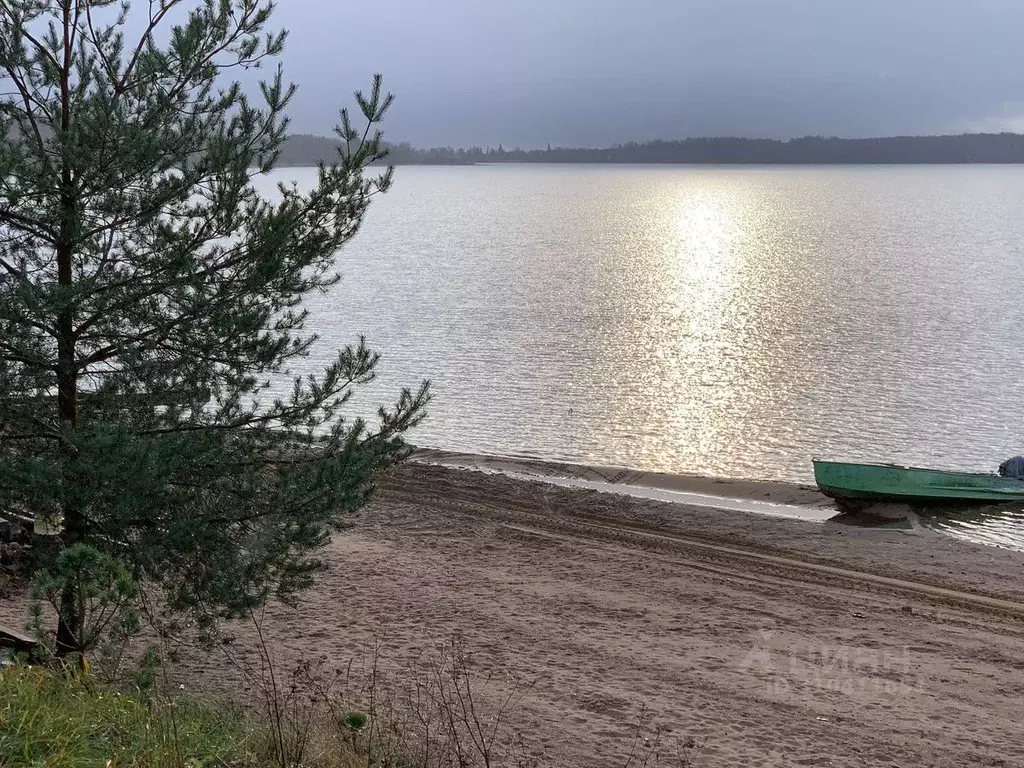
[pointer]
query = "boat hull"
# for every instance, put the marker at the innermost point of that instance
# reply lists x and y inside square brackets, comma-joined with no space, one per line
[887,482]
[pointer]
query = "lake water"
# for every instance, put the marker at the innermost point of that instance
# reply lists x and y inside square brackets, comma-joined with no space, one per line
[724,321]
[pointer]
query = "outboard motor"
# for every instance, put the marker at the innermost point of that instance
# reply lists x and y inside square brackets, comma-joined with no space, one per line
[1013,468]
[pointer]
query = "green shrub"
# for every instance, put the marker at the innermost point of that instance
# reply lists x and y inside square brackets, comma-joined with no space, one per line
[60,721]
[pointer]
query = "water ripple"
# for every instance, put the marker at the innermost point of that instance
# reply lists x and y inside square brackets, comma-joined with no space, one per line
[731,322]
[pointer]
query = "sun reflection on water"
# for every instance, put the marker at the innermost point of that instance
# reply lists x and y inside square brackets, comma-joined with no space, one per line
[706,270]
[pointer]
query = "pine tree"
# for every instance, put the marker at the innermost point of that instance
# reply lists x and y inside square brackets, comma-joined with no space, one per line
[150,299]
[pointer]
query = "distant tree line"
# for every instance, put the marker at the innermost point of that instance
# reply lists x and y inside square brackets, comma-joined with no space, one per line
[964,148]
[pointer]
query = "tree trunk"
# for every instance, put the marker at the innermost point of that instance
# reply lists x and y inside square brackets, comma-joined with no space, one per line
[68,627]
[69,622]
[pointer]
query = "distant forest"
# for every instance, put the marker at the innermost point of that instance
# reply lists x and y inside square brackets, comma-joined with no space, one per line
[304,149]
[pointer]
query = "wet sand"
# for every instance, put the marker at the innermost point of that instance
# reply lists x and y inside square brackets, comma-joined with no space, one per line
[773,642]
[752,490]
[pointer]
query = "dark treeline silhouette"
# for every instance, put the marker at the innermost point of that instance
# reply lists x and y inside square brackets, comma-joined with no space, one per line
[306,149]
[965,148]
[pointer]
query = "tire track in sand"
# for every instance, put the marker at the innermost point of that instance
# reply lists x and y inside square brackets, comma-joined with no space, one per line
[520,516]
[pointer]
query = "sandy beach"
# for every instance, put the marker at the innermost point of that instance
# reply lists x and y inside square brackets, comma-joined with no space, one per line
[771,642]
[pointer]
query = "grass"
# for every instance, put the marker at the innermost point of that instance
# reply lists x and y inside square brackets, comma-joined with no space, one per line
[51,719]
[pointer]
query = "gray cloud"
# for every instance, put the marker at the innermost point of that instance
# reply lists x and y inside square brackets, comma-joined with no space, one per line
[594,72]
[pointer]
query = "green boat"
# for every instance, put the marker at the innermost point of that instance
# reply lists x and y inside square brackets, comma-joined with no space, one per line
[887,482]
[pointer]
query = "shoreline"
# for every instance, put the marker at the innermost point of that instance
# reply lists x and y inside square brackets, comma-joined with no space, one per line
[985,525]
[777,492]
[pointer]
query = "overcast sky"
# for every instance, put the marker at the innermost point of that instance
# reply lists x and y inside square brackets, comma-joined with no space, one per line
[596,72]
